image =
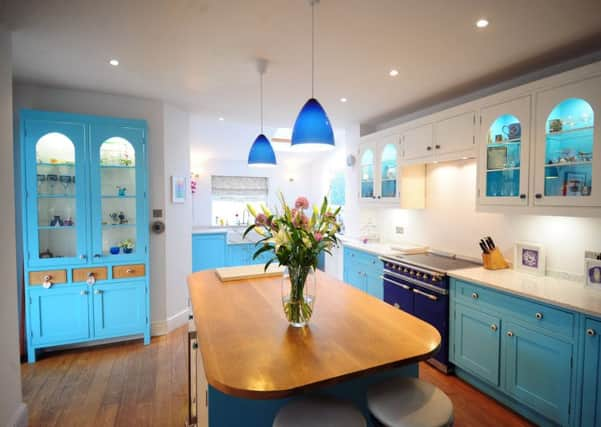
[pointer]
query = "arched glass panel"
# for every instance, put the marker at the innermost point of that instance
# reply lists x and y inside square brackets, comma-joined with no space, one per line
[503,154]
[55,157]
[389,171]
[569,149]
[118,192]
[367,174]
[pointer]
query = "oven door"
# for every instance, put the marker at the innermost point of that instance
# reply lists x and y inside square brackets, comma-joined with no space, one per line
[398,293]
[433,308]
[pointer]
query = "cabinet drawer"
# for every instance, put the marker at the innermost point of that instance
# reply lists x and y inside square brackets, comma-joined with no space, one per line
[125,271]
[539,315]
[352,254]
[82,274]
[56,276]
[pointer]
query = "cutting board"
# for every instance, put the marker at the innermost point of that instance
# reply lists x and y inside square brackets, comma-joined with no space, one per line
[408,248]
[228,274]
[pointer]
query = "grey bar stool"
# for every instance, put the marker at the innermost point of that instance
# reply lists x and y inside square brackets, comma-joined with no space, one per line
[409,402]
[319,412]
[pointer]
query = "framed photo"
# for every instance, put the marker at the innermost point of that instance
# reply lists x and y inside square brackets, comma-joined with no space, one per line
[592,271]
[574,183]
[496,158]
[178,189]
[530,258]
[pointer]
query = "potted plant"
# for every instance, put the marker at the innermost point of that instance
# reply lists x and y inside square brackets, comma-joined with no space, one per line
[295,238]
[127,245]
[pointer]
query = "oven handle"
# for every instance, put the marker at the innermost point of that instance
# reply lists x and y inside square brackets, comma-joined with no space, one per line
[395,282]
[432,288]
[432,297]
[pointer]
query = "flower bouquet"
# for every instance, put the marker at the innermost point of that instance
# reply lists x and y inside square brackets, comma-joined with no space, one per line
[295,237]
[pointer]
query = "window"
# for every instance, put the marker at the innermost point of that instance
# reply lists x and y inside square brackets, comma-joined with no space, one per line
[230,195]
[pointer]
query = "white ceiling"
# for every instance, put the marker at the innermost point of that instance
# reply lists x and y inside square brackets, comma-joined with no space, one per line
[199,54]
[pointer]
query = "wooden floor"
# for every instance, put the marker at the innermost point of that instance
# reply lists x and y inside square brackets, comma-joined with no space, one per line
[135,385]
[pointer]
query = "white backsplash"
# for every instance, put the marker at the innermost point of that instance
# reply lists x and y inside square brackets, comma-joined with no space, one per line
[451,223]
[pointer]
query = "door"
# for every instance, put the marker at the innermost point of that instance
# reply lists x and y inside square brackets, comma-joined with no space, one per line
[119,309]
[373,284]
[208,251]
[476,343]
[591,398]
[238,255]
[118,186]
[388,156]
[433,308]
[59,315]
[568,147]
[503,162]
[418,143]
[367,178]
[56,192]
[455,135]
[398,294]
[355,274]
[538,371]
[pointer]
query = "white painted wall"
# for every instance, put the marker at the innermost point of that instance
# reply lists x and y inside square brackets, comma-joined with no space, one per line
[89,102]
[451,223]
[11,406]
[178,217]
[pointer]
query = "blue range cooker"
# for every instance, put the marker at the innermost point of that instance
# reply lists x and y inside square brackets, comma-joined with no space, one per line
[419,285]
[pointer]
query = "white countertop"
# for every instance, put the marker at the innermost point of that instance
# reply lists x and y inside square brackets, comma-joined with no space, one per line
[380,249]
[208,230]
[559,292]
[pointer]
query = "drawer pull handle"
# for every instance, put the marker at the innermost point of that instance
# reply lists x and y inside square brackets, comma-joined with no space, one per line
[539,316]
[83,257]
[591,332]
[475,295]
[509,333]
[47,281]
[91,278]
[493,327]
[83,293]
[97,292]
[129,271]
[396,305]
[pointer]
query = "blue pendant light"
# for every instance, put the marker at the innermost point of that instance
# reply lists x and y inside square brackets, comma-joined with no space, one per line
[312,129]
[261,153]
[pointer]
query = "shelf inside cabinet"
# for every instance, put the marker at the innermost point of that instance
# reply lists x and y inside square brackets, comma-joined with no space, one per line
[55,196]
[503,169]
[119,197]
[56,164]
[578,132]
[116,167]
[565,164]
[119,225]
[55,227]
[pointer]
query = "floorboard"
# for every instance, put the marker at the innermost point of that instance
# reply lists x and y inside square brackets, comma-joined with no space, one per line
[129,384]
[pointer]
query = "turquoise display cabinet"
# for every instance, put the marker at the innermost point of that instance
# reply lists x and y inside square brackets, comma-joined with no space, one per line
[83,186]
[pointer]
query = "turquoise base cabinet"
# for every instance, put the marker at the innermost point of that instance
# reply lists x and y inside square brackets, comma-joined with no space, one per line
[82,182]
[364,271]
[208,251]
[543,361]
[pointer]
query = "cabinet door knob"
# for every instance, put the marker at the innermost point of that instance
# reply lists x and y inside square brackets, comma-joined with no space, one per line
[129,270]
[475,295]
[538,196]
[522,196]
[509,333]
[83,293]
[429,148]
[539,316]
[493,327]
[47,278]
[379,197]
[83,257]
[437,147]
[97,256]
[591,332]
[97,292]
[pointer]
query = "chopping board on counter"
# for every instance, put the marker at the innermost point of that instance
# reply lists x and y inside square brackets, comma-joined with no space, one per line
[229,274]
[408,248]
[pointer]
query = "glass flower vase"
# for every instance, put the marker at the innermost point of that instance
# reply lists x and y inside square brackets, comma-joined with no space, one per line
[298,294]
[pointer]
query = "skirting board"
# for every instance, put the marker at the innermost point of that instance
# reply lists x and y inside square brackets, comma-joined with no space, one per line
[163,327]
[19,418]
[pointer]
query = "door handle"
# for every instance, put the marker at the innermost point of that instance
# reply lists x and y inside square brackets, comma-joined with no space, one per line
[129,271]
[493,327]
[97,256]
[91,279]
[430,297]
[538,196]
[437,147]
[591,332]
[83,257]
[475,295]
[429,148]
[83,293]
[522,196]
[539,316]
[509,333]
[97,292]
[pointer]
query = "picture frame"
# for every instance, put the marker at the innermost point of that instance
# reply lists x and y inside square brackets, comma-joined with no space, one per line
[574,183]
[496,158]
[530,258]
[178,189]
[592,273]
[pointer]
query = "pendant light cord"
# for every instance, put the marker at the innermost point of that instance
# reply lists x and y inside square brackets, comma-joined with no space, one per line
[261,103]
[313,49]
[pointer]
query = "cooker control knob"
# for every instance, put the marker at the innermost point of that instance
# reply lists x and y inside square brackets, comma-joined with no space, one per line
[419,274]
[405,270]
[425,276]
[412,273]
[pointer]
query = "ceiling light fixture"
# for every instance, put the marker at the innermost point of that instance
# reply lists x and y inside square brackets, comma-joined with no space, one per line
[482,23]
[221,119]
[114,62]
[393,73]
[261,152]
[312,130]
[343,99]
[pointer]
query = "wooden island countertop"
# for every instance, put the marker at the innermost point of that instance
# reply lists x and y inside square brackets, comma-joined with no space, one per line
[249,351]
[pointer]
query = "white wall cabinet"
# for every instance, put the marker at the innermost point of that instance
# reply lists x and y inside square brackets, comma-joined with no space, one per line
[379,169]
[418,143]
[455,135]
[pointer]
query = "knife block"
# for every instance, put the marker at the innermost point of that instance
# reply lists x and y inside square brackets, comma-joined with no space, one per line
[494,260]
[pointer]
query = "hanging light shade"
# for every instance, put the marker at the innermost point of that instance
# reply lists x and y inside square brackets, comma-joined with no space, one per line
[312,129]
[261,153]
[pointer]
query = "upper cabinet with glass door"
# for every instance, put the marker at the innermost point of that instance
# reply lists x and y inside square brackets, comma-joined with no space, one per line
[388,170]
[367,170]
[55,181]
[568,150]
[504,154]
[118,214]
[379,169]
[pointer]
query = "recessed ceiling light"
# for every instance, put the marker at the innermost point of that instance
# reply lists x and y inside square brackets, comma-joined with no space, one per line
[482,23]
[393,73]
[343,99]
[114,62]
[221,119]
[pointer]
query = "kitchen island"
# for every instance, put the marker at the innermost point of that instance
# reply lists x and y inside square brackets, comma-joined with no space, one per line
[254,362]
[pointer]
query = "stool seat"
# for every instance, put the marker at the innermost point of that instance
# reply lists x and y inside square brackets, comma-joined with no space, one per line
[319,412]
[409,402]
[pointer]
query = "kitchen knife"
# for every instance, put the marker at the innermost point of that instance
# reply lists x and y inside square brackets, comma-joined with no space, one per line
[491,244]
[483,247]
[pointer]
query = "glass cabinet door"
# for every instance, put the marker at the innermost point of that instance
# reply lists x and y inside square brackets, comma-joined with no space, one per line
[367,173]
[119,212]
[56,200]
[568,152]
[388,171]
[503,175]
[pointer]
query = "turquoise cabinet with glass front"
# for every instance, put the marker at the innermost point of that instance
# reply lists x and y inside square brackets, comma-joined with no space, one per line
[85,228]
[568,151]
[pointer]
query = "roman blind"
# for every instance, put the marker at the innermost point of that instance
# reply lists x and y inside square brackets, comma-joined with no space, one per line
[245,188]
